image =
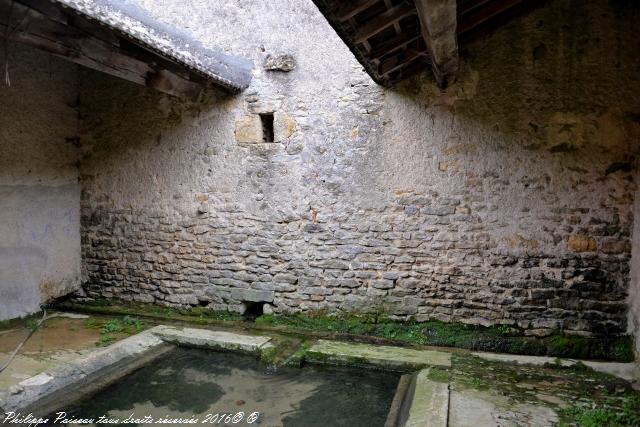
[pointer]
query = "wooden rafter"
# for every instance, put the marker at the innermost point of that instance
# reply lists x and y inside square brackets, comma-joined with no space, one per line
[384,21]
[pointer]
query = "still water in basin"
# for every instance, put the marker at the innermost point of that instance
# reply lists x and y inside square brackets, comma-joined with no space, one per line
[198,384]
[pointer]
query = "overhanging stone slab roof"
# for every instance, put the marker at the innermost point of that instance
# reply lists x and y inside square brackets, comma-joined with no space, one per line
[120,38]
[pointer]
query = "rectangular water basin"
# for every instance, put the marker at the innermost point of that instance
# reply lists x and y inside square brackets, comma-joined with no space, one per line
[186,376]
[187,383]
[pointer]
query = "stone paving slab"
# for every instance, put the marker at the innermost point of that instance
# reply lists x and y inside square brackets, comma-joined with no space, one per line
[430,404]
[205,338]
[486,408]
[396,358]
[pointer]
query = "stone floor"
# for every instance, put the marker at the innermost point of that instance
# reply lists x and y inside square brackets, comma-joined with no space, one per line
[485,389]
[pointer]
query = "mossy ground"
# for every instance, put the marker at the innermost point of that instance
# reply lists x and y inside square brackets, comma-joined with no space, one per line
[584,416]
[29,322]
[439,375]
[580,396]
[115,329]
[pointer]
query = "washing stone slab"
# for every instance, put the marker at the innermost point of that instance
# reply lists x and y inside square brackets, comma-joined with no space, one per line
[204,338]
[386,357]
[430,403]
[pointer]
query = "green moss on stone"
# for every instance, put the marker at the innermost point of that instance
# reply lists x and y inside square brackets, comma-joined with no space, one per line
[280,350]
[501,339]
[197,315]
[298,357]
[584,397]
[497,339]
[28,322]
[602,415]
[439,375]
[115,328]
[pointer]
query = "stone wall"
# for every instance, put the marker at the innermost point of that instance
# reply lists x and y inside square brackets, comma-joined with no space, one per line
[39,190]
[506,199]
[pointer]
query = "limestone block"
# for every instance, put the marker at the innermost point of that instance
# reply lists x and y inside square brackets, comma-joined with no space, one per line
[615,246]
[580,243]
[249,129]
[284,63]
[283,126]
[264,106]
[252,295]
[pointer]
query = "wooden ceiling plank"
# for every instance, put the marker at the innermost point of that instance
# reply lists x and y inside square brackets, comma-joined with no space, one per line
[349,10]
[383,21]
[484,14]
[439,25]
[394,44]
[365,44]
[46,7]
[408,70]
[469,6]
[393,64]
[92,28]
[396,25]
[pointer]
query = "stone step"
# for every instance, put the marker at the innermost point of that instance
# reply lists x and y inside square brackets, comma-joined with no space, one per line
[205,338]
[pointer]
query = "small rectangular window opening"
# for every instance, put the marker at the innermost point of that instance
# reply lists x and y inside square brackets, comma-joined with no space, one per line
[267,127]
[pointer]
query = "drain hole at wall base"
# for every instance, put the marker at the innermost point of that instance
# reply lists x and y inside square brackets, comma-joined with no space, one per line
[253,310]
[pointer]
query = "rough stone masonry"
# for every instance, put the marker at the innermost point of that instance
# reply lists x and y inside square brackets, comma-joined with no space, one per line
[506,199]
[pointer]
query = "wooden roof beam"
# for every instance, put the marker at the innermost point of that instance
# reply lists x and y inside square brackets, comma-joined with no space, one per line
[438,23]
[349,10]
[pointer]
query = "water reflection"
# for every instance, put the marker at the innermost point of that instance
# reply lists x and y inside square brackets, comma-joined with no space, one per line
[193,383]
